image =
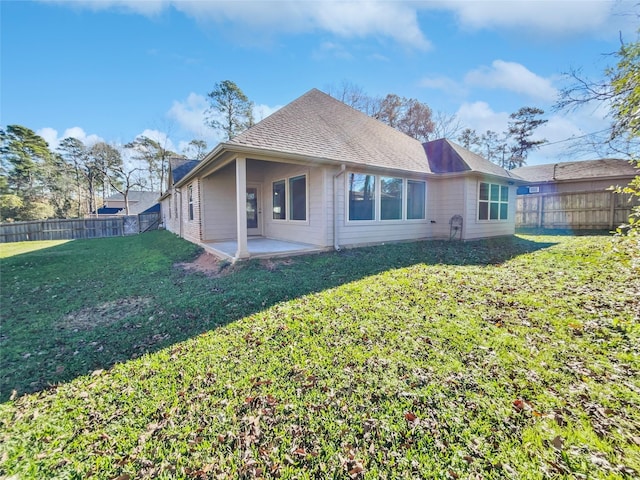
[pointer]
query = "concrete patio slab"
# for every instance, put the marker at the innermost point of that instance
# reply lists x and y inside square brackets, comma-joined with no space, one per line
[260,247]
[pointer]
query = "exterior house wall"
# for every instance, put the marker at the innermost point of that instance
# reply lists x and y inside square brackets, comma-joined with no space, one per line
[191,228]
[474,228]
[362,232]
[445,199]
[169,212]
[313,229]
[219,200]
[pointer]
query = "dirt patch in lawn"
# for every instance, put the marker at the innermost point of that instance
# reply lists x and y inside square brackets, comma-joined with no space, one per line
[273,264]
[105,314]
[208,264]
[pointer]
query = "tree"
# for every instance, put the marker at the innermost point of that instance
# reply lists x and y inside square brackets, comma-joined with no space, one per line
[494,148]
[230,109]
[469,139]
[416,120]
[120,178]
[390,110]
[24,155]
[196,149]
[445,126]
[155,156]
[521,128]
[75,154]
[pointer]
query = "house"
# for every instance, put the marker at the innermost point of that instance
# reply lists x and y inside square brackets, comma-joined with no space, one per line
[583,176]
[317,175]
[575,195]
[139,201]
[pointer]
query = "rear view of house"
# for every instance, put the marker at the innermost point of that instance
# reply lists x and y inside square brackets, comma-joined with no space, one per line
[320,175]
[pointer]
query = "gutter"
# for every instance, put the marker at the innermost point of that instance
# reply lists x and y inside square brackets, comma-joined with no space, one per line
[336,244]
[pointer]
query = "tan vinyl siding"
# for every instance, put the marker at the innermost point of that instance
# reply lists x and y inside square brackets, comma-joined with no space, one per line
[475,228]
[219,198]
[313,229]
[445,199]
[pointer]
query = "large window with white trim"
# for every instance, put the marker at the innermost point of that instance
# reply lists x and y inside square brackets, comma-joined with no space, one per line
[493,201]
[385,198]
[289,198]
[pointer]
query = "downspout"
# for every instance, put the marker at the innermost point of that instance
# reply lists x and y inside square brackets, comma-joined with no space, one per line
[336,243]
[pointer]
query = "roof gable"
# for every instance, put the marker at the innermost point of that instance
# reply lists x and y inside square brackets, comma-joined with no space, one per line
[446,156]
[317,125]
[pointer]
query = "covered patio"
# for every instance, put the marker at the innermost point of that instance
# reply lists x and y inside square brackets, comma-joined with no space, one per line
[260,247]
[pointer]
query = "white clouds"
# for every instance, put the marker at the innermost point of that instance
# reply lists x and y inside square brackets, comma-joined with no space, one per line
[444,83]
[556,17]
[480,117]
[52,138]
[513,77]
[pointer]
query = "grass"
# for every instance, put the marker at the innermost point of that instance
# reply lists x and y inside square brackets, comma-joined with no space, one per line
[513,358]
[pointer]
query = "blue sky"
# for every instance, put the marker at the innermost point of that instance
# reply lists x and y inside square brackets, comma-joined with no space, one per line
[114,69]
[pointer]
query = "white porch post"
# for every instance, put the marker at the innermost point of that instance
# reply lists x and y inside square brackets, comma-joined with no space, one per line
[241,207]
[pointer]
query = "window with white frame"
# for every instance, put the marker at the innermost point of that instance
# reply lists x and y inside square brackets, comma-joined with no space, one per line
[279,200]
[493,201]
[362,195]
[385,198]
[289,198]
[391,198]
[416,199]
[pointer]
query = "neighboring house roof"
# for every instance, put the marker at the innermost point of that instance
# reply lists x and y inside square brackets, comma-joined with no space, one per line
[108,211]
[576,171]
[180,167]
[135,196]
[446,156]
[317,127]
[139,201]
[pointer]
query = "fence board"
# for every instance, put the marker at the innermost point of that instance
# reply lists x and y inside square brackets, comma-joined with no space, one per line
[70,229]
[599,210]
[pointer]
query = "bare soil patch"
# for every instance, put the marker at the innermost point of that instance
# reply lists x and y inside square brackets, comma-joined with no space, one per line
[273,264]
[208,264]
[105,314]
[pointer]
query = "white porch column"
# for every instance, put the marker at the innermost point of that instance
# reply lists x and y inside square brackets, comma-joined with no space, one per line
[241,207]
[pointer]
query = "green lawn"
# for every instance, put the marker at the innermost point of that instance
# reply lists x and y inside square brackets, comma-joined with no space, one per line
[512,358]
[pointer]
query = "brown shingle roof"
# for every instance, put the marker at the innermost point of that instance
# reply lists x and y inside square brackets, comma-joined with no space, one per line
[317,125]
[587,169]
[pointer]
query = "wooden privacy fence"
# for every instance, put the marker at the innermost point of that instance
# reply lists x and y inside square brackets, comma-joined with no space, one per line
[78,228]
[573,210]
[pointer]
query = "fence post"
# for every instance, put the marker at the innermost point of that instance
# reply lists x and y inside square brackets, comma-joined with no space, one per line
[540,210]
[612,209]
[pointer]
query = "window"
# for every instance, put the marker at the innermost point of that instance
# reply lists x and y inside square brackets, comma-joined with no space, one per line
[416,191]
[291,193]
[361,196]
[190,194]
[279,200]
[298,198]
[391,198]
[493,202]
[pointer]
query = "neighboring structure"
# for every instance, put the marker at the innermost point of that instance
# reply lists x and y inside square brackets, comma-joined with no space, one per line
[584,176]
[574,195]
[139,202]
[323,175]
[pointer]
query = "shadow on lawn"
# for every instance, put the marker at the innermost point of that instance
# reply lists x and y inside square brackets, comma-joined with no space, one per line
[83,306]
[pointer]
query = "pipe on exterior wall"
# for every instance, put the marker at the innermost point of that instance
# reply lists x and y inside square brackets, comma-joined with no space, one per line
[336,243]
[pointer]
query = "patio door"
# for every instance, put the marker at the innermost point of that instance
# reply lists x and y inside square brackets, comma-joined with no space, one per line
[254,210]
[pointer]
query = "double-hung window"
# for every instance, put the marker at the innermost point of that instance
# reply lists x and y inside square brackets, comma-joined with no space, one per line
[493,201]
[416,198]
[290,198]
